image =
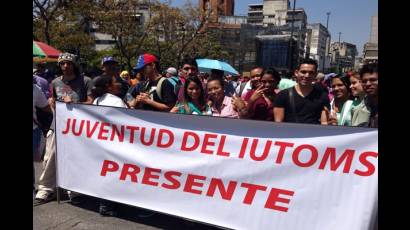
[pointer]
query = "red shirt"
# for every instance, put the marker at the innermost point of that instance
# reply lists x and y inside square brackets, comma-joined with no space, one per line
[261,110]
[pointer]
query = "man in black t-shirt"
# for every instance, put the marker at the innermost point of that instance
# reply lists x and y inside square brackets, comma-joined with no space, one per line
[157,93]
[303,103]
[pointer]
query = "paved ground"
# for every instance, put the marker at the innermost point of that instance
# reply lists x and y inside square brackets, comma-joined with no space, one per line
[85,216]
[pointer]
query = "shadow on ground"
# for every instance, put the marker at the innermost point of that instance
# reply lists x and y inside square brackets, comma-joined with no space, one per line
[130,213]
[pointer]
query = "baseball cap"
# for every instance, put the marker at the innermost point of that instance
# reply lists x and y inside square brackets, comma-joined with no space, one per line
[143,60]
[108,59]
[172,70]
[66,57]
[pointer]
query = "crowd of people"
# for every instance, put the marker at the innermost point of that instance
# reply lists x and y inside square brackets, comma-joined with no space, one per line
[347,99]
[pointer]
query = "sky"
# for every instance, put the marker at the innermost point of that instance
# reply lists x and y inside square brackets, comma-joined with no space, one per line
[351,17]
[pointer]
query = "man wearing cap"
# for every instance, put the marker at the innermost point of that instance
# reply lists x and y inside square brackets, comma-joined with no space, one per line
[157,93]
[109,67]
[71,87]
[171,72]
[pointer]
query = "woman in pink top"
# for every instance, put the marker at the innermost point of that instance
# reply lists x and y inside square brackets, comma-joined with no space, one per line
[221,105]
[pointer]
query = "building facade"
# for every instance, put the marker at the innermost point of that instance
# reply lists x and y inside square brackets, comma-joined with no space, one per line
[343,55]
[371,48]
[317,45]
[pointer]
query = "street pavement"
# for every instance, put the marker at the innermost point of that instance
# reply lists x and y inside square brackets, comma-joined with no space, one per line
[85,216]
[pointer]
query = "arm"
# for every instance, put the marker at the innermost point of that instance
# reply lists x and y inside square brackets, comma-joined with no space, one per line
[239,105]
[279,114]
[144,98]
[174,110]
[89,100]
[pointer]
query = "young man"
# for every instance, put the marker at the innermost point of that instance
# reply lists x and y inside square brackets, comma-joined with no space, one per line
[110,67]
[245,87]
[148,97]
[70,87]
[303,103]
[366,114]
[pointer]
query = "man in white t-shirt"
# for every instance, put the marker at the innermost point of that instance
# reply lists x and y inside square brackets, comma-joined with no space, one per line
[39,102]
[256,75]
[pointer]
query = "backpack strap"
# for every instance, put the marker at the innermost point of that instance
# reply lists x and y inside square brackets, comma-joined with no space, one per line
[292,104]
[173,81]
[241,88]
[159,87]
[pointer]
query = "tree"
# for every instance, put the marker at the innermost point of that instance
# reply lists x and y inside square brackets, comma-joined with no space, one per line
[121,19]
[64,25]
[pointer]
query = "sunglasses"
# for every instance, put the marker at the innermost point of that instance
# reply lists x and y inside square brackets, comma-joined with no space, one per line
[189,68]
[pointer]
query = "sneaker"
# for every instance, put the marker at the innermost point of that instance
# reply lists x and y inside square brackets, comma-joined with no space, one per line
[75,198]
[43,197]
[107,209]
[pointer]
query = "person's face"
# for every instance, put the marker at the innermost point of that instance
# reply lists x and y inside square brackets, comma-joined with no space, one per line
[306,74]
[255,78]
[188,70]
[269,82]
[110,68]
[67,67]
[115,87]
[149,70]
[339,90]
[245,78]
[193,91]
[356,86]
[370,83]
[215,90]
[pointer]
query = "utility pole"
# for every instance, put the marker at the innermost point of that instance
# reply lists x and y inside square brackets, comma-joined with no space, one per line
[328,44]
[291,39]
[338,53]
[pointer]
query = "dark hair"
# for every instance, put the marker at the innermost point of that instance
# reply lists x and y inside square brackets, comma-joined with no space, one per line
[369,68]
[189,61]
[220,80]
[101,85]
[346,82]
[274,73]
[308,61]
[197,81]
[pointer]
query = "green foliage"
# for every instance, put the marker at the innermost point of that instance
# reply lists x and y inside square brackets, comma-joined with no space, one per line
[170,33]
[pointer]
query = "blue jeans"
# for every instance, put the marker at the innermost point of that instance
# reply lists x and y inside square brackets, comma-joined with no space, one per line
[36,143]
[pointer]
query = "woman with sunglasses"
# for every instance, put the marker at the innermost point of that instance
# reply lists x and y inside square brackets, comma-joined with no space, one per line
[194,99]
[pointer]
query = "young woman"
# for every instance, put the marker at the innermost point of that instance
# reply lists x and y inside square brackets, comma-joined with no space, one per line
[341,105]
[260,100]
[221,105]
[360,113]
[104,92]
[194,99]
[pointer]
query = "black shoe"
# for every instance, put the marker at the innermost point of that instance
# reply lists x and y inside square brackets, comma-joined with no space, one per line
[107,210]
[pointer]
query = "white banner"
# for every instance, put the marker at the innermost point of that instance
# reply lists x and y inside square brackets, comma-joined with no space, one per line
[239,174]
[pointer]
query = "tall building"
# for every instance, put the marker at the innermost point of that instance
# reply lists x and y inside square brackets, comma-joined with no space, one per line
[343,55]
[275,12]
[255,14]
[317,41]
[217,8]
[371,48]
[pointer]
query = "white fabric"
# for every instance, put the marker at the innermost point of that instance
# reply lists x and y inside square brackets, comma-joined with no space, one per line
[246,89]
[110,100]
[324,198]
[39,100]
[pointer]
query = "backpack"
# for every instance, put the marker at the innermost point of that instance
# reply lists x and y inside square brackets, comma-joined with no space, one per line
[176,83]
